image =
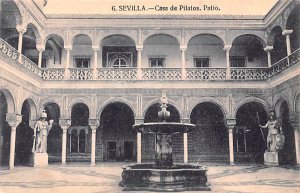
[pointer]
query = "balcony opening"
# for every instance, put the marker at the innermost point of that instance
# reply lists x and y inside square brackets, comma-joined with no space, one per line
[238,61]
[157,61]
[201,62]
[82,61]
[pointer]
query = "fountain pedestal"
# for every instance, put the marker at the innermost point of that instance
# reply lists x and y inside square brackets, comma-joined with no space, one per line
[164,175]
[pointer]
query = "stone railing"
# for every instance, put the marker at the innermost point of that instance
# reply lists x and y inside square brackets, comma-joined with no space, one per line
[28,64]
[117,74]
[8,50]
[205,73]
[53,73]
[161,73]
[81,73]
[249,73]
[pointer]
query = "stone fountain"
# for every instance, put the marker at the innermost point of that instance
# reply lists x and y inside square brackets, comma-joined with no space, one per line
[164,175]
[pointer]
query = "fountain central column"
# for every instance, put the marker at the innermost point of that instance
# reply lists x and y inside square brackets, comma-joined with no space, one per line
[163,151]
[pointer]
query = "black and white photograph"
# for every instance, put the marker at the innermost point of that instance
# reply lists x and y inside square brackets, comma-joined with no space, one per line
[112,96]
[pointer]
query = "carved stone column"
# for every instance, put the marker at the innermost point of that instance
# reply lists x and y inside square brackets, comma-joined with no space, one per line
[227,49]
[231,122]
[295,122]
[21,29]
[64,124]
[183,63]
[95,73]
[94,123]
[139,142]
[40,49]
[185,142]
[139,49]
[268,49]
[13,121]
[287,33]
[67,65]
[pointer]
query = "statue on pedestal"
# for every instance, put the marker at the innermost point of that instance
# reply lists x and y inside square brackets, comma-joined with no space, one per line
[41,130]
[275,139]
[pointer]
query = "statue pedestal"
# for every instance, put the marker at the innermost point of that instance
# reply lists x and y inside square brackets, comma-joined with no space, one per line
[271,158]
[39,159]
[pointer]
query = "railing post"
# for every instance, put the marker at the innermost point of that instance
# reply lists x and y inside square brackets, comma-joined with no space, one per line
[183,49]
[227,49]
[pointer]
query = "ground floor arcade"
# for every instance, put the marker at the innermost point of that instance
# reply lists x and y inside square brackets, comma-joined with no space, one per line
[110,137]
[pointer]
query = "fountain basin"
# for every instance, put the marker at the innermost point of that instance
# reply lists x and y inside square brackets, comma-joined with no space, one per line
[164,127]
[179,177]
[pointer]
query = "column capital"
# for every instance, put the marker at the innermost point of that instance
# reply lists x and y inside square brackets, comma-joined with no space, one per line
[21,29]
[268,48]
[227,47]
[230,123]
[96,48]
[183,48]
[13,120]
[185,120]
[68,47]
[94,123]
[139,120]
[139,47]
[40,48]
[287,32]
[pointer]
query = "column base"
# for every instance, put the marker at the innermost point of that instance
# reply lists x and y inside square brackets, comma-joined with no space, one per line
[271,158]
[39,159]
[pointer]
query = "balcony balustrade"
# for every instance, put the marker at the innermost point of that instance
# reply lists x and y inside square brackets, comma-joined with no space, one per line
[161,73]
[205,73]
[258,73]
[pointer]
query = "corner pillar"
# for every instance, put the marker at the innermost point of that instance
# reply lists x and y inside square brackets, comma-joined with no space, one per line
[268,49]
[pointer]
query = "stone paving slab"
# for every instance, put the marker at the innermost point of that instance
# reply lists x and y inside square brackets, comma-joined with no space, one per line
[104,177]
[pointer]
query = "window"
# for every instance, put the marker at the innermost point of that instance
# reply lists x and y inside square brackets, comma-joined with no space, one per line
[157,61]
[119,59]
[238,61]
[82,62]
[201,62]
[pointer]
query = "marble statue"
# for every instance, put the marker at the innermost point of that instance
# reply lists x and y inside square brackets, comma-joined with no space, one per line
[41,130]
[275,137]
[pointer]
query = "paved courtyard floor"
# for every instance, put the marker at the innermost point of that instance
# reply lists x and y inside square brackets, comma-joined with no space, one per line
[104,177]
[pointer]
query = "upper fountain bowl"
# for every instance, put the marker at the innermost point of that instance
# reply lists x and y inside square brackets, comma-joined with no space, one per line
[164,127]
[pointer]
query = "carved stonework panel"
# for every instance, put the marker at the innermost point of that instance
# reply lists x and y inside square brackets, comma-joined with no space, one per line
[189,34]
[101,34]
[176,33]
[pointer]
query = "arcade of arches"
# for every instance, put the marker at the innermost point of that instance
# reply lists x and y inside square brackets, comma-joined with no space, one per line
[115,140]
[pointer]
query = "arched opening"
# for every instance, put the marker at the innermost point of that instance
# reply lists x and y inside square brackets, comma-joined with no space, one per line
[250,141]
[161,50]
[52,56]
[279,45]
[82,52]
[10,16]
[248,51]
[115,134]
[79,135]
[209,140]
[288,153]
[118,51]
[24,137]
[5,131]
[148,140]
[293,24]
[54,141]
[205,50]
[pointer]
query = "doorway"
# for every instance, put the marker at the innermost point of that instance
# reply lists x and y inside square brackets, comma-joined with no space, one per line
[111,150]
[128,150]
